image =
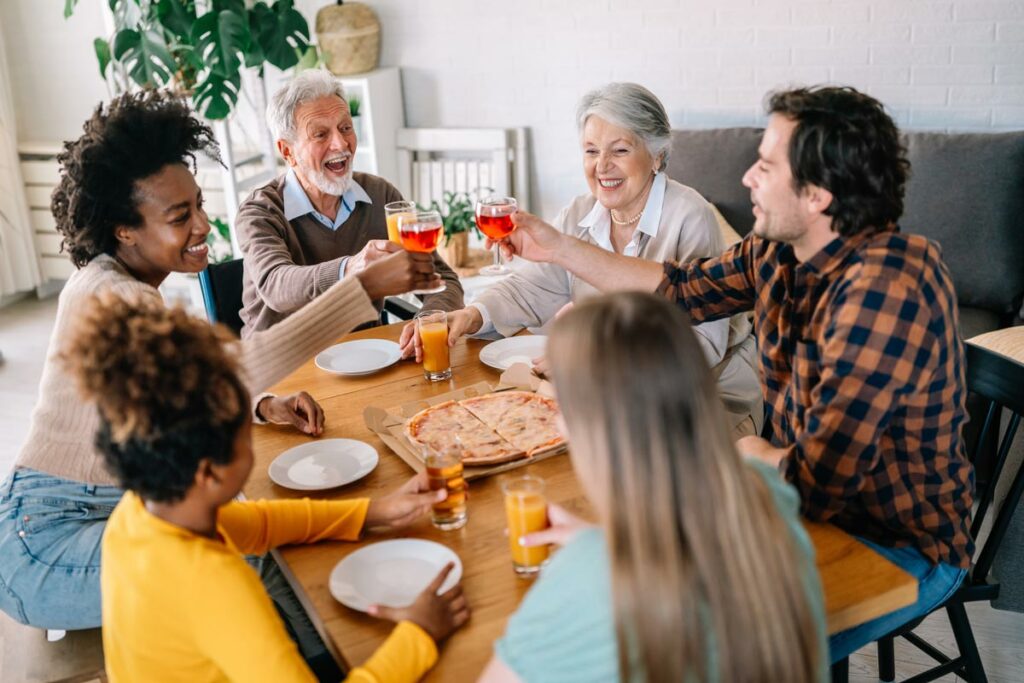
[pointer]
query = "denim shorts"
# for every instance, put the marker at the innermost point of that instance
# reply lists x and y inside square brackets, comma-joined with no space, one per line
[50,535]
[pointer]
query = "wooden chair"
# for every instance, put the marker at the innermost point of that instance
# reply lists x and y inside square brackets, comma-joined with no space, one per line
[995,372]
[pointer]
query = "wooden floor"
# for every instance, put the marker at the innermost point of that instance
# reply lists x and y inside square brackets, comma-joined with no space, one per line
[24,334]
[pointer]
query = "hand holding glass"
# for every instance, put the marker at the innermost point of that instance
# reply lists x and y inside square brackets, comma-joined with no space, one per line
[494,218]
[421,232]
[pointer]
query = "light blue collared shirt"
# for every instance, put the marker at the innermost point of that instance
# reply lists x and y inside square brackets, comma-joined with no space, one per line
[297,203]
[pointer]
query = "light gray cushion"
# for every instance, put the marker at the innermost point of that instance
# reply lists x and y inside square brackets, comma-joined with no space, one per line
[966,192]
[713,162]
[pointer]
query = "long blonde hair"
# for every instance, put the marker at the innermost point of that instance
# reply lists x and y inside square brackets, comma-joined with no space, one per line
[707,580]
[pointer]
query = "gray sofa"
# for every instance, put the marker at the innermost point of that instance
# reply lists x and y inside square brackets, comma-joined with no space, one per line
[966,192]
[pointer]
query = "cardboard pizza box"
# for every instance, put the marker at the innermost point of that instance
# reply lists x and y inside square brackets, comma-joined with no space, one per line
[389,423]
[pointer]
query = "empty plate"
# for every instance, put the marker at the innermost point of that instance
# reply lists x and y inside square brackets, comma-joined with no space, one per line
[324,464]
[360,357]
[505,353]
[391,573]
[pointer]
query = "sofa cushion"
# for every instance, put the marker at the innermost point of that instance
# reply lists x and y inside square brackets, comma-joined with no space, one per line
[713,162]
[975,321]
[966,192]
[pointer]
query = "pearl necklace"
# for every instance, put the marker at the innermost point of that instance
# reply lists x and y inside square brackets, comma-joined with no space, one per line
[631,221]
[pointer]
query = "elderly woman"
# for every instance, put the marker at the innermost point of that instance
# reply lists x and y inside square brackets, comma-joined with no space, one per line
[634,209]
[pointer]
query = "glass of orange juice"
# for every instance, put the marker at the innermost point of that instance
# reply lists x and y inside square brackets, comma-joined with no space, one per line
[432,327]
[525,511]
[393,211]
[444,470]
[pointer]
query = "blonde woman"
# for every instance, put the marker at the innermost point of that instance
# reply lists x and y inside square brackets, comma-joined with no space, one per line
[699,568]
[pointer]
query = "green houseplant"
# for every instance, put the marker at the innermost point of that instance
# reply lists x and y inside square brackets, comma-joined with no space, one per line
[458,214]
[169,43]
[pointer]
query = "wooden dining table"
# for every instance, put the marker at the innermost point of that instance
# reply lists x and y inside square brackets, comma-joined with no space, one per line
[858,583]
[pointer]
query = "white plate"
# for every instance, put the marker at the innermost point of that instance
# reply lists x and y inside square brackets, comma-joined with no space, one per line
[391,573]
[505,353]
[360,357]
[324,464]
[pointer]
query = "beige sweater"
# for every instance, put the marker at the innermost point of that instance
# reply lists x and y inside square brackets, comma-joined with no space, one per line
[60,440]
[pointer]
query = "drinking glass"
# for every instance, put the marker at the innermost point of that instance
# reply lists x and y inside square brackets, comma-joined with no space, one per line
[494,218]
[392,211]
[421,231]
[432,328]
[525,511]
[444,471]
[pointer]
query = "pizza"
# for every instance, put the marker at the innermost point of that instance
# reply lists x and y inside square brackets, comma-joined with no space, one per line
[490,429]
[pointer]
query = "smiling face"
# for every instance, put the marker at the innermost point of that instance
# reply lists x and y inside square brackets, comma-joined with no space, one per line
[324,145]
[172,237]
[617,165]
[779,212]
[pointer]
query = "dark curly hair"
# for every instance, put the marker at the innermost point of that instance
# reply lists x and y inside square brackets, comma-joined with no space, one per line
[167,388]
[845,143]
[135,136]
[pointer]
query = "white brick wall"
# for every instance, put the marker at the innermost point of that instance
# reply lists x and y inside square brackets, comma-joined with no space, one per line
[944,64]
[937,64]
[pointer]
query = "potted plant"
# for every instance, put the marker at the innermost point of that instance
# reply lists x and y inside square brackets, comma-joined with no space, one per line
[355,109]
[458,214]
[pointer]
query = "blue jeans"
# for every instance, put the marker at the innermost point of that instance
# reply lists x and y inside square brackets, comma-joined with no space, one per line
[936,583]
[51,531]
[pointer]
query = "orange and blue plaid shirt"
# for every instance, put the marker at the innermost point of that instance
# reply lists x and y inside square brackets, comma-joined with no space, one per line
[863,373]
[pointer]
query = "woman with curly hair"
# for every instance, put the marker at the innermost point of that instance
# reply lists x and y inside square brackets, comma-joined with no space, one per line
[179,602]
[130,213]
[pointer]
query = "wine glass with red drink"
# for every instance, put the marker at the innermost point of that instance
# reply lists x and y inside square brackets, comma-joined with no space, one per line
[494,218]
[421,231]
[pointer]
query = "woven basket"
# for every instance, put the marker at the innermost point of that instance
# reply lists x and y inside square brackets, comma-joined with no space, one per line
[349,37]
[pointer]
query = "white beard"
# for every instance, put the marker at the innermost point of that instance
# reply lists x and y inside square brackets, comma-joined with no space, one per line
[325,184]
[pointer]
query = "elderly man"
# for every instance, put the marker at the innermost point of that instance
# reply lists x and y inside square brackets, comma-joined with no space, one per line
[862,365]
[320,221]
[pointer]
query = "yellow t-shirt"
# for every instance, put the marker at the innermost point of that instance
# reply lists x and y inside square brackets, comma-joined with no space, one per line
[182,607]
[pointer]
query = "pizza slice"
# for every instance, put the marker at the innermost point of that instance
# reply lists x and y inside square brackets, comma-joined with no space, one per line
[532,426]
[491,408]
[448,425]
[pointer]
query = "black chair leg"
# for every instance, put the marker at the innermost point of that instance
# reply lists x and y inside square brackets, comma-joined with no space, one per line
[887,659]
[841,671]
[965,641]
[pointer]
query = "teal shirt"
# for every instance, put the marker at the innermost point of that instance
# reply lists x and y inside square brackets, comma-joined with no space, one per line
[564,630]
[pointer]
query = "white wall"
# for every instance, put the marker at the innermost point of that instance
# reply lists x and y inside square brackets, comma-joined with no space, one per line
[54,75]
[943,64]
[946,64]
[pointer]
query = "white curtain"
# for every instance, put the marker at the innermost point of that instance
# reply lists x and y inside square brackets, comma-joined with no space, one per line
[19,266]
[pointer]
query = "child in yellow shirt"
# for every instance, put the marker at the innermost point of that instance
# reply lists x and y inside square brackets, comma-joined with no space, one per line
[179,601]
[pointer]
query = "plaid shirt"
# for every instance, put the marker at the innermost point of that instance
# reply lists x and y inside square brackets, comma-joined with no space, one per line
[862,367]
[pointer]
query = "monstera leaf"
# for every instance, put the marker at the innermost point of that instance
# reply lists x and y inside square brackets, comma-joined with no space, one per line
[221,40]
[102,49]
[215,96]
[177,17]
[145,56]
[281,33]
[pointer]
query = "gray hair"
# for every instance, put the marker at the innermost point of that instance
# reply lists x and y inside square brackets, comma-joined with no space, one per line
[634,108]
[305,87]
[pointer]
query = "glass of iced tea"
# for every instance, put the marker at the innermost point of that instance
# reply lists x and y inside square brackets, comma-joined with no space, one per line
[494,218]
[421,231]
[432,327]
[444,470]
[392,211]
[525,511]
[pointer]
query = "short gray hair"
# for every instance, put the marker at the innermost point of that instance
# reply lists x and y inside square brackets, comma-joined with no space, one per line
[634,108]
[307,86]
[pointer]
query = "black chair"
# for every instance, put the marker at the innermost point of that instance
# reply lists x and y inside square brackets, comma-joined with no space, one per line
[999,381]
[222,293]
[399,308]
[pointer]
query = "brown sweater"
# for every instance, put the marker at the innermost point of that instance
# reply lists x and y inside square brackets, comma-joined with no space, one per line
[290,263]
[63,430]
